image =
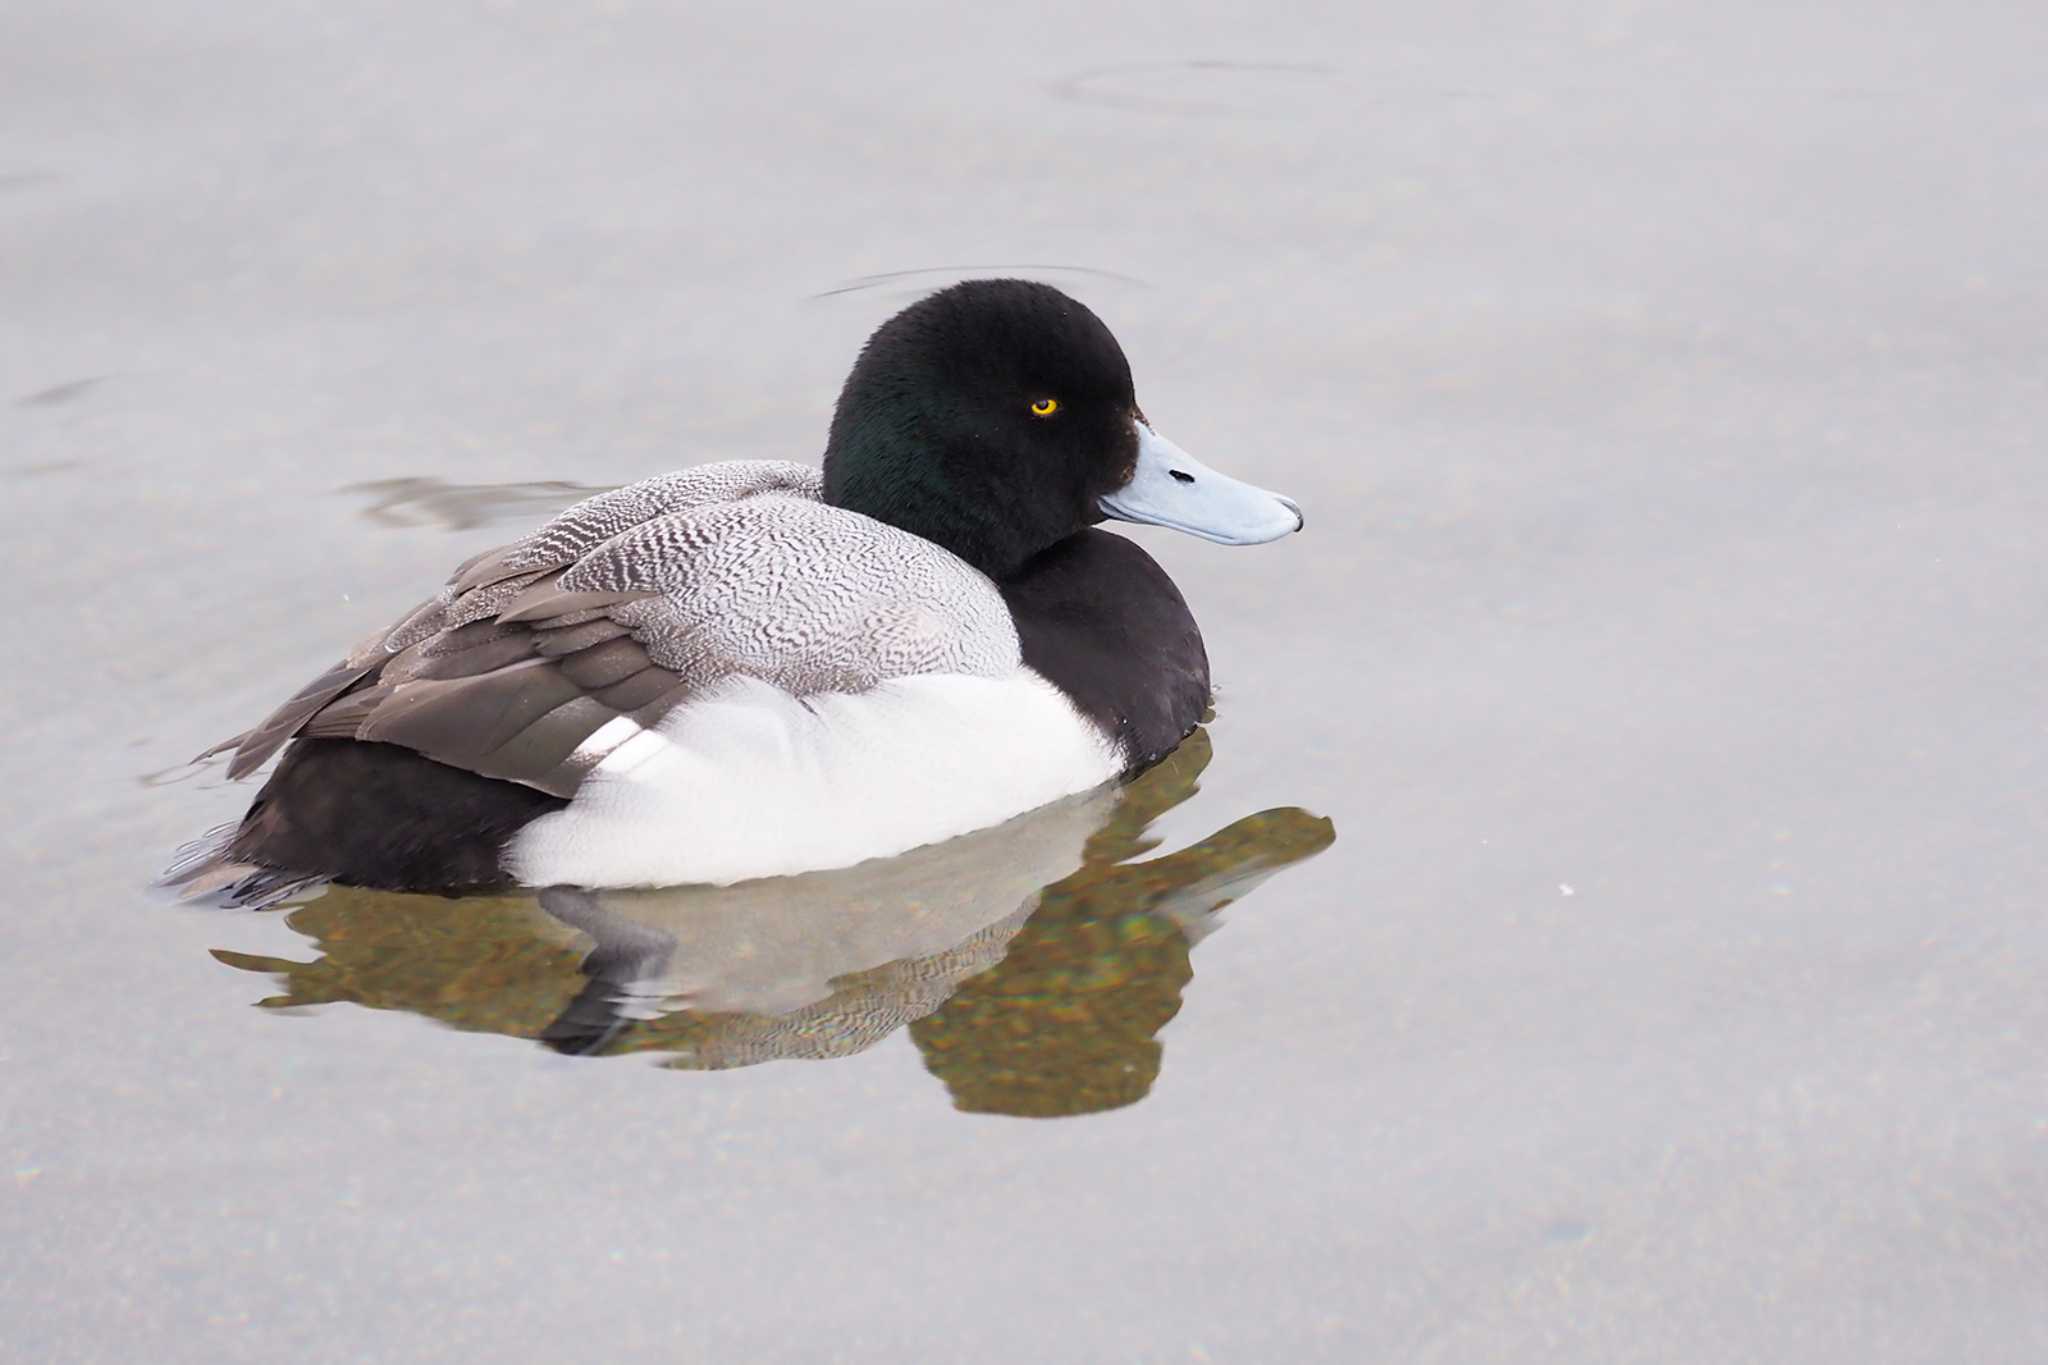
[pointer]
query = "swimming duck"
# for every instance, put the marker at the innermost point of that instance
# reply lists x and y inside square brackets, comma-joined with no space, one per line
[752,668]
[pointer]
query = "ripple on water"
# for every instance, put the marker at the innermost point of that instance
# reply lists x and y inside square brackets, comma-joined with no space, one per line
[1198,87]
[428,501]
[926,278]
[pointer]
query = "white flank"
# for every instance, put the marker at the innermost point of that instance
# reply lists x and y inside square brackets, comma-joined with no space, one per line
[748,781]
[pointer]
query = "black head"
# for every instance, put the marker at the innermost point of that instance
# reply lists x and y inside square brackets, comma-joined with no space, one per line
[990,418]
[996,418]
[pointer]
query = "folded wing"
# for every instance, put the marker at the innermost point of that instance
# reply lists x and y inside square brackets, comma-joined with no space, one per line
[539,658]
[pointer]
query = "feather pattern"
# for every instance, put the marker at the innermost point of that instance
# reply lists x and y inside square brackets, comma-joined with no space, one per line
[540,658]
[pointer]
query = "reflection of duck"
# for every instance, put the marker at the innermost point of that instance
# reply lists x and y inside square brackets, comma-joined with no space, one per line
[1065,1024]
[1038,960]
[817,965]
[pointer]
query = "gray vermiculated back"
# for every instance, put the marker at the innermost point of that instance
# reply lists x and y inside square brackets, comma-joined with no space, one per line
[806,596]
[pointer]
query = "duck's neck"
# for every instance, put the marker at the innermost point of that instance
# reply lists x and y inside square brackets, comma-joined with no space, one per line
[945,500]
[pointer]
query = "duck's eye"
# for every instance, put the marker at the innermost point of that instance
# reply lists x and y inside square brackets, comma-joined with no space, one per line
[1045,407]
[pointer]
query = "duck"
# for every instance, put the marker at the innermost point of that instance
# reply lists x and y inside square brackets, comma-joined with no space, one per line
[756,668]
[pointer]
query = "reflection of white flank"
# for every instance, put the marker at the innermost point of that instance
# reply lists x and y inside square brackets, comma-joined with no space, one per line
[748,781]
[774,946]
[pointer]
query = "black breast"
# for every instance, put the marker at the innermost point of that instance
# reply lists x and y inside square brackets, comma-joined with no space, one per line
[1105,624]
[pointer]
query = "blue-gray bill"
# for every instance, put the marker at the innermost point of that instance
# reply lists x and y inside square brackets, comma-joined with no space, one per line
[1171,488]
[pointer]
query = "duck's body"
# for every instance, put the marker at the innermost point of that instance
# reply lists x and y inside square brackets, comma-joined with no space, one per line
[740,670]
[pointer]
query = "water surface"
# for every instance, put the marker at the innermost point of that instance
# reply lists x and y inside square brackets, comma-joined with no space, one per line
[1664,386]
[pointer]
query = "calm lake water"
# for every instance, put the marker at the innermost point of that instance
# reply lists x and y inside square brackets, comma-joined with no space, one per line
[1603,921]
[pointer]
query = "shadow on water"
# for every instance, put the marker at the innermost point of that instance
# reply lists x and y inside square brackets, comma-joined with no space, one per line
[1034,963]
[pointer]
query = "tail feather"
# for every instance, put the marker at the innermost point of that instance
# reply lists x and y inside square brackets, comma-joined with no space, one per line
[206,872]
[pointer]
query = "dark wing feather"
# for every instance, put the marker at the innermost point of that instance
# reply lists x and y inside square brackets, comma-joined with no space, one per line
[519,577]
[254,746]
[461,681]
[506,699]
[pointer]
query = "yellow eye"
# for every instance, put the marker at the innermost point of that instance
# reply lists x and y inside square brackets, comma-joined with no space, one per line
[1045,407]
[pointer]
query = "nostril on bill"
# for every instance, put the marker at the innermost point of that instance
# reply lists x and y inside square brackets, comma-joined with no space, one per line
[1181,475]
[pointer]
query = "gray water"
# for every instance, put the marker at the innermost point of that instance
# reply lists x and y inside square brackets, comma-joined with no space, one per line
[1665,388]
